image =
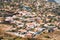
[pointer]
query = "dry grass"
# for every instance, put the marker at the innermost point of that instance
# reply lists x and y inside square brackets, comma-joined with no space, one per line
[44,36]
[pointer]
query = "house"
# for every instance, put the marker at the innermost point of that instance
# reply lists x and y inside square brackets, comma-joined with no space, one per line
[5,0]
[30,25]
[21,25]
[14,16]
[39,29]
[49,28]
[29,35]
[23,12]
[8,20]
[31,32]
[23,36]
[22,30]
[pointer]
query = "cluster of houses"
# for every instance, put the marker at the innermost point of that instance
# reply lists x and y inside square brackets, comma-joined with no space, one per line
[30,24]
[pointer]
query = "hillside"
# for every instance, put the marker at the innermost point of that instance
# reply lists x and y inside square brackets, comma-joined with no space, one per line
[29,20]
